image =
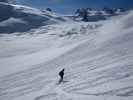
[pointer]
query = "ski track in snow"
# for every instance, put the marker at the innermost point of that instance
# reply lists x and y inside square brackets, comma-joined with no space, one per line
[100,72]
[108,71]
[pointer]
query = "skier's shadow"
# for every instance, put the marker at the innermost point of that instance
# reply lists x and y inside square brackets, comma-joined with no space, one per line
[62,82]
[65,81]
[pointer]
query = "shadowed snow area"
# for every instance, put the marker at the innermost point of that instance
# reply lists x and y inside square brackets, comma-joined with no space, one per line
[97,57]
[17,18]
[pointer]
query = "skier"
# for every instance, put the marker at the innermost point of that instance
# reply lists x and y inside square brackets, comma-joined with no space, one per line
[61,74]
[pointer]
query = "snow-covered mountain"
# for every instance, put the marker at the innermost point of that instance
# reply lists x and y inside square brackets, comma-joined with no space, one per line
[17,18]
[97,57]
[8,1]
[94,15]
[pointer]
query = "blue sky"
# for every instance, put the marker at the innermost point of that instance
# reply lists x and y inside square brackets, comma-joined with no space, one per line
[69,6]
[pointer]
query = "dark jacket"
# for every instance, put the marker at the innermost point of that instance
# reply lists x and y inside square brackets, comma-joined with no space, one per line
[61,73]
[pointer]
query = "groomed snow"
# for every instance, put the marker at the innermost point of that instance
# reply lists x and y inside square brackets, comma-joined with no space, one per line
[97,57]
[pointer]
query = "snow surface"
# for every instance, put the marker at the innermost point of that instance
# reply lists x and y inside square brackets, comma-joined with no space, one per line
[97,57]
[18,18]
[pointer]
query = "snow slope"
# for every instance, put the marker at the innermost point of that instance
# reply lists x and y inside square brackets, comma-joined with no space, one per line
[18,18]
[97,58]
